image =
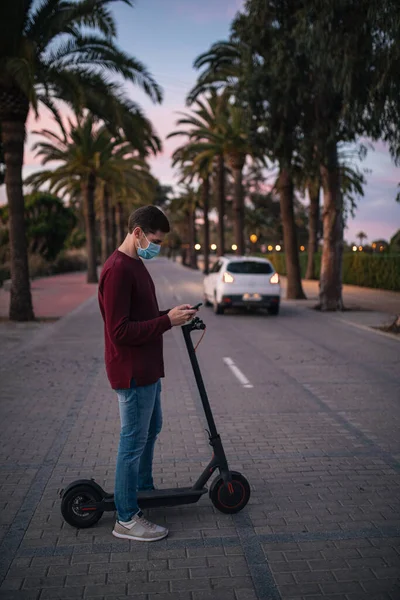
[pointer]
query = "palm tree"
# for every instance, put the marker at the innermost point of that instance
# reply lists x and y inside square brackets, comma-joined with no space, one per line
[228,137]
[55,49]
[224,63]
[89,156]
[234,66]
[183,213]
[204,120]
[195,166]
[131,185]
[361,236]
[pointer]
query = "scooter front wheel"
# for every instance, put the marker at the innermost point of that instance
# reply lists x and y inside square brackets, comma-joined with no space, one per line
[78,506]
[230,498]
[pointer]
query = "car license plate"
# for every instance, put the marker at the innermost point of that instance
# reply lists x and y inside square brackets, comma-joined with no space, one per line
[252,297]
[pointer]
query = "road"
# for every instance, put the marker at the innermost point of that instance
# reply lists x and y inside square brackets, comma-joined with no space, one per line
[312,421]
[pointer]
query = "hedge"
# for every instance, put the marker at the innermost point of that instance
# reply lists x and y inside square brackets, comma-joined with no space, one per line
[68,261]
[380,271]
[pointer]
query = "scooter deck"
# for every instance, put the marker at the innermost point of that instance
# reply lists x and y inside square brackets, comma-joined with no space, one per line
[169,497]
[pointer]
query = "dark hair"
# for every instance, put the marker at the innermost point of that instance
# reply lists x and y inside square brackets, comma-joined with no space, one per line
[150,219]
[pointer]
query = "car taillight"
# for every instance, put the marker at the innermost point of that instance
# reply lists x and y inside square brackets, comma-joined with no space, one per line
[274,278]
[228,278]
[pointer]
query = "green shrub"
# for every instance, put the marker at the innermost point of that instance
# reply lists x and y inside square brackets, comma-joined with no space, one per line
[76,239]
[38,266]
[381,271]
[69,261]
[48,223]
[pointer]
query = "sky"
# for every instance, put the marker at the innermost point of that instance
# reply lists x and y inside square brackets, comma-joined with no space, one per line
[167,36]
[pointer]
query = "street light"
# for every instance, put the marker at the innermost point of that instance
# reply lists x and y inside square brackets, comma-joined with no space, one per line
[354,248]
[270,248]
[278,248]
[253,238]
[360,248]
[213,246]
[302,248]
[197,247]
[234,247]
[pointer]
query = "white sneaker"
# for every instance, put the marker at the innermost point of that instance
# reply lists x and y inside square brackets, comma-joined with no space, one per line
[140,530]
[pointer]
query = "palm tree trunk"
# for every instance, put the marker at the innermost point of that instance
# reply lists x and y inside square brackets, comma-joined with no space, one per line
[119,217]
[192,238]
[113,227]
[105,224]
[238,202]
[90,226]
[220,191]
[330,296]
[313,222]
[13,138]
[294,289]
[206,208]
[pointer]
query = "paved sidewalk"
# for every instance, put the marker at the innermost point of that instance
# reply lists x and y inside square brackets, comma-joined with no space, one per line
[54,296]
[356,297]
[317,436]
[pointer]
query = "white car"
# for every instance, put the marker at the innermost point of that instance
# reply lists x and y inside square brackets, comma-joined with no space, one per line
[242,281]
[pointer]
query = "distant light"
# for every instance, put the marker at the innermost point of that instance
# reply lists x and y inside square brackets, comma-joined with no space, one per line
[278,248]
[302,248]
[374,245]
[197,247]
[234,247]
[213,246]
[253,238]
[360,248]
[354,248]
[381,248]
[270,248]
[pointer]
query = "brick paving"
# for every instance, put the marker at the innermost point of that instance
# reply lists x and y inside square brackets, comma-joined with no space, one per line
[317,437]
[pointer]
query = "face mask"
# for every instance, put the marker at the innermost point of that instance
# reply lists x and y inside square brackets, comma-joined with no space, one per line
[151,251]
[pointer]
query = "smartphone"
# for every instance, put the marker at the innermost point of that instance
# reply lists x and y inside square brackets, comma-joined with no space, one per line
[197,306]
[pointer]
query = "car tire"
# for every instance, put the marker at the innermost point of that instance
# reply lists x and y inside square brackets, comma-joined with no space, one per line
[206,301]
[274,310]
[218,308]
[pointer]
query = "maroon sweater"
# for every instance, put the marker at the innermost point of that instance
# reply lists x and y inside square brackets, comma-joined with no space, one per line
[133,323]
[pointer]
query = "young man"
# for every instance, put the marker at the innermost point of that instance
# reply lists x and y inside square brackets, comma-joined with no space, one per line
[133,329]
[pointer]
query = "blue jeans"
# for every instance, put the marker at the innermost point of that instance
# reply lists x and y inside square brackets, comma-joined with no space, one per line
[141,422]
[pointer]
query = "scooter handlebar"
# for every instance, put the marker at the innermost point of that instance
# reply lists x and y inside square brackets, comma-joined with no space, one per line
[195,323]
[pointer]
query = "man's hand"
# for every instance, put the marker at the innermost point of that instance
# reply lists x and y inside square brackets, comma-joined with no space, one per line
[180,315]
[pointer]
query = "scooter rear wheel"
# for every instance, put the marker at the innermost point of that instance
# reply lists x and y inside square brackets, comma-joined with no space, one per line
[232,499]
[73,501]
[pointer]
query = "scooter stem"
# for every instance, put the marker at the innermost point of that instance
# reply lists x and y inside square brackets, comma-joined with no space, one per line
[187,329]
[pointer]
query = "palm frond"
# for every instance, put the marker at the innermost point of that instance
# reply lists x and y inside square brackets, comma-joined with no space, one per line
[84,51]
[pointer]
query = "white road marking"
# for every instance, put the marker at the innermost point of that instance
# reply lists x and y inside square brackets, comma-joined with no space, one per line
[237,372]
[386,334]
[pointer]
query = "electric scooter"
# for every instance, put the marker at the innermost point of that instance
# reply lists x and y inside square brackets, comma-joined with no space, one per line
[84,501]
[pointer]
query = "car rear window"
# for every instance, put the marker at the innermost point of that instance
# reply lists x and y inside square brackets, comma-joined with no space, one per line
[249,267]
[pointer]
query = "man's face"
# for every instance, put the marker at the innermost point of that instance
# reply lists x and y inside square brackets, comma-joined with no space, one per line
[156,238]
